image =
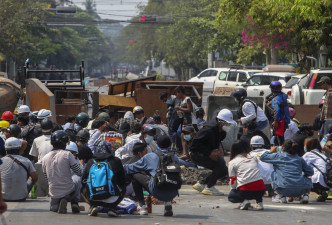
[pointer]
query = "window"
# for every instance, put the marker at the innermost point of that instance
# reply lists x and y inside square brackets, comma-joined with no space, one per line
[232,76]
[222,75]
[256,80]
[242,77]
[320,75]
[292,82]
[213,73]
[205,74]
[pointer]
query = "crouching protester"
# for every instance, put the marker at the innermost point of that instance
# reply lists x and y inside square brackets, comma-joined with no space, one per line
[205,151]
[245,177]
[103,184]
[17,172]
[318,160]
[158,166]
[57,166]
[290,175]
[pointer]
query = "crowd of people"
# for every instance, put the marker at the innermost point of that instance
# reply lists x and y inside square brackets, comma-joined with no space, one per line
[117,164]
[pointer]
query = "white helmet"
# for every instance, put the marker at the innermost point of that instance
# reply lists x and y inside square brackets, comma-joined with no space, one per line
[13,143]
[225,115]
[257,141]
[72,146]
[23,109]
[44,113]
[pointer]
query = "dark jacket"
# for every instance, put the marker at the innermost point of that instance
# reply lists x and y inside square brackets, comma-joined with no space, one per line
[117,179]
[207,139]
[299,138]
[246,137]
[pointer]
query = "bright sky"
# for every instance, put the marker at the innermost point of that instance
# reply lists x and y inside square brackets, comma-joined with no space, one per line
[115,9]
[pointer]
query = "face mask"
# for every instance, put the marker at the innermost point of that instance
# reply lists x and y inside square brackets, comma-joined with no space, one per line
[226,128]
[169,101]
[187,137]
[148,139]
[305,149]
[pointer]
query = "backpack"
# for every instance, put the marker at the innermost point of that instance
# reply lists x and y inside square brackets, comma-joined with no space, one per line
[100,181]
[328,175]
[168,174]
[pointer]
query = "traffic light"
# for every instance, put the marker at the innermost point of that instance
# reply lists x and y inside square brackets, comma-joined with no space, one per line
[148,18]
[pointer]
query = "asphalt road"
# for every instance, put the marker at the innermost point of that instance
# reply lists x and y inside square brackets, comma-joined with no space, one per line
[191,208]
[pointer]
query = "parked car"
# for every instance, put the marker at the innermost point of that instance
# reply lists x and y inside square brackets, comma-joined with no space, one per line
[259,84]
[307,91]
[208,77]
[233,78]
[296,79]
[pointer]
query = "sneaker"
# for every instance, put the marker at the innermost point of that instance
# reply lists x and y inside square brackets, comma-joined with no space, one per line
[62,206]
[279,199]
[304,199]
[259,206]
[245,205]
[143,210]
[322,197]
[168,209]
[199,187]
[112,213]
[75,207]
[93,211]
[212,191]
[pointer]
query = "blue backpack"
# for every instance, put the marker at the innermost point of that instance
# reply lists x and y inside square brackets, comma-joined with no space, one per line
[100,181]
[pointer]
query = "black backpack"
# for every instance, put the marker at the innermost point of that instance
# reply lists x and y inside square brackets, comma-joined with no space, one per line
[168,174]
[328,174]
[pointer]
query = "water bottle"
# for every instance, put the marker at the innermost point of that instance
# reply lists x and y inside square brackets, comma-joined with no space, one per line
[279,149]
[323,142]
[33,192]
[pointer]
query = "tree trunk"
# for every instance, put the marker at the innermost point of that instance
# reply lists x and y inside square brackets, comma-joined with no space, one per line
[274,56]
[268,56]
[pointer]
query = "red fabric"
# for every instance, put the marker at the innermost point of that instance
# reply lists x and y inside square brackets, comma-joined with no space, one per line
[232,180]
[280,130]
[253,186]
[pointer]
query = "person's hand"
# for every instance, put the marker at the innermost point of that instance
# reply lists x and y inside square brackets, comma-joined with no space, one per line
[3,207]
[274,149]
[215,154]
[81,162]
[275,124]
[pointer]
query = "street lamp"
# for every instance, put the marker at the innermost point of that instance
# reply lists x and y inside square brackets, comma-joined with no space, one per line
[322,56]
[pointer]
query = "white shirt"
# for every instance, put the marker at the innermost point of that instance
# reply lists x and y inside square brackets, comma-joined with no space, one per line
[291,130]
[41,146]
[311,158]
[127,150]
[132,137]
[266,169]
[249,112]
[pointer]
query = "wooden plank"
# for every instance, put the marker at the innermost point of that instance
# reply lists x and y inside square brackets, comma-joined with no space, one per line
[105,100]
[306,113]
[149,100]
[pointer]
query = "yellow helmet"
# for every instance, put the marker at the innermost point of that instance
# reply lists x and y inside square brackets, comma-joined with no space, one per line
[4,124]
[138,109]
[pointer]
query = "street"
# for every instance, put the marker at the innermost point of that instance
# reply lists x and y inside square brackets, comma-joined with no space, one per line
[190,208]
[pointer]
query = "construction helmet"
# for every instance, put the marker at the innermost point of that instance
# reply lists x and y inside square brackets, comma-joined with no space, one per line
[46,125]
[239,94]
[4,124]
[23,109]
[14,130]
[59,139]
[275,86]
[83,135]
[82,119]
[7,115]
[138,109]
[44,113]
[13,143]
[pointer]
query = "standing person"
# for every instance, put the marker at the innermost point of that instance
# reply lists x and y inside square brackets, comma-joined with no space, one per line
[204,151]
[281,115]
[291,172]
[57,166]
[186,107]
[17,172]
[245,177]
[325,82]
[249,111]
[317,159]
[42,145]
